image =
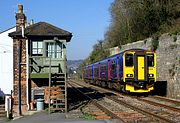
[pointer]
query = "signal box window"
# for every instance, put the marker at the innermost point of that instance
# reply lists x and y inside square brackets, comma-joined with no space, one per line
[37,48]
[150,59]
[129,60]
[54,49]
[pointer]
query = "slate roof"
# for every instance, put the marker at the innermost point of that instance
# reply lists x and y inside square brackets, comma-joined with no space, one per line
[42,29]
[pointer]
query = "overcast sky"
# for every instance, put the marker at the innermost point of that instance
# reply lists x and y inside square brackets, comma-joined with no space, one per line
[88,20]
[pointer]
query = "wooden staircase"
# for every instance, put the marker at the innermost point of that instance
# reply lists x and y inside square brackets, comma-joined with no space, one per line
[2,111]
[58,92]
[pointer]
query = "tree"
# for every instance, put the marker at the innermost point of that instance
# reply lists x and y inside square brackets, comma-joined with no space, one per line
[133,20]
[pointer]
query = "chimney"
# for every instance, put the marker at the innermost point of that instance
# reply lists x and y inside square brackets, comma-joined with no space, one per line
[20,8]
[20,18]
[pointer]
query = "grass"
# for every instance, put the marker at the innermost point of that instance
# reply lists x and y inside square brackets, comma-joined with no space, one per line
[46,110]
[88,117]
[176,105]
[7,120]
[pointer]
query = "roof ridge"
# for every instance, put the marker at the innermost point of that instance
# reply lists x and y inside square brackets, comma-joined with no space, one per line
[55,27]
[42,29]
[7,29]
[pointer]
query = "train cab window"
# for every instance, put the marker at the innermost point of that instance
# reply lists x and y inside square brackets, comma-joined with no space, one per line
[129,60]
[150,59]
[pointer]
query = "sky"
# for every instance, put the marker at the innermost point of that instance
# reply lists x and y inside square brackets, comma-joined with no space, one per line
[87,20]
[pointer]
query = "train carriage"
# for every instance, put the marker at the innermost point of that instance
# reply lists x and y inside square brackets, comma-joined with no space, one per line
[132,70]
[96,71]
[103,67]
[88,72]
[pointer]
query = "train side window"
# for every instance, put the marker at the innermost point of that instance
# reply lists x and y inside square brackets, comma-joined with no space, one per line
[103,68]
[113,65]
[150,59]
[91,72]
[96,71]
[129,60]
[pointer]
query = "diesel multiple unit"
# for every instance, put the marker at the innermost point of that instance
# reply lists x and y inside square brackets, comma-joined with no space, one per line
[133,70]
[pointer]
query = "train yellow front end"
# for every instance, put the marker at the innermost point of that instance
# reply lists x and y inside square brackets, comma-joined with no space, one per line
[139,71]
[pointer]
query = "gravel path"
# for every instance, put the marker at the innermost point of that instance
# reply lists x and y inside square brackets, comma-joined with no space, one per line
[2,120]
[43,117]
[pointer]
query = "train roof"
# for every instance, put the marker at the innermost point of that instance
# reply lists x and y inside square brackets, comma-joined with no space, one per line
[136,49]
[133,49]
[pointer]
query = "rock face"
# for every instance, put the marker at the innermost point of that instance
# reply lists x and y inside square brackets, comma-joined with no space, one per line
[168,60]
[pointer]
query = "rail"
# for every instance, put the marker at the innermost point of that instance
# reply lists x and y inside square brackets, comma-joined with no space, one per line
[155,116]
[160,105]
[166,99]
[102,108]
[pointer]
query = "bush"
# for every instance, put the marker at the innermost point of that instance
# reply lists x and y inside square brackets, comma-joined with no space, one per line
[174,38]
[173,46]
[154,43]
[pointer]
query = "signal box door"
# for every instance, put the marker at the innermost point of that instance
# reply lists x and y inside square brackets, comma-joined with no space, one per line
[140,66]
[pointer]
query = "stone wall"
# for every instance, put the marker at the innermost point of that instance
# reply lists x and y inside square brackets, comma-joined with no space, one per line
[168,60]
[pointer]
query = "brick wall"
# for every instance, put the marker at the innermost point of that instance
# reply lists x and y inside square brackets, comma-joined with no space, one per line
[16,71]
[20,22]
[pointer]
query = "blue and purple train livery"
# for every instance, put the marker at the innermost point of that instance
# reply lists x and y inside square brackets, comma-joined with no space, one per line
[132,70]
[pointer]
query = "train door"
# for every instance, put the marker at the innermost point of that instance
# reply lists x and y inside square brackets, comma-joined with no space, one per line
[109,69]
[140,66]
[140,60]
[113,69]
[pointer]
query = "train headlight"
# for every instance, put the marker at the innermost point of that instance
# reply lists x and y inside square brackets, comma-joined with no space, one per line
[129,75]
[150,75]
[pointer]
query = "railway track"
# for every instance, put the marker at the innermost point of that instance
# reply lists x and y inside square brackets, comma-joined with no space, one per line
[165,117]
[105,110]
[166,99]
[159,104]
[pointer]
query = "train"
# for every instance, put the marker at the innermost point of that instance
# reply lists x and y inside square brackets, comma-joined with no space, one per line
[130,71]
